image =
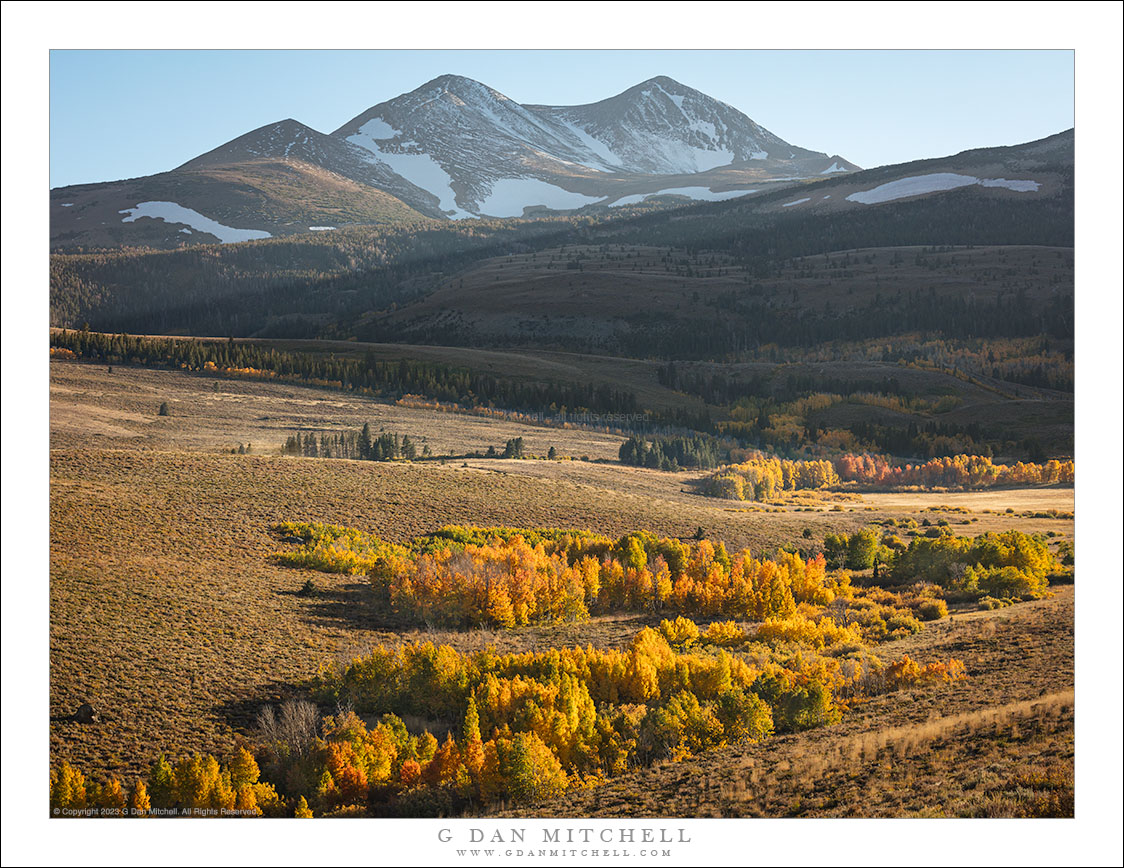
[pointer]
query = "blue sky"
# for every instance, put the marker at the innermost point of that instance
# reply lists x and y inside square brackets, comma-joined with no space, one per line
[118,114]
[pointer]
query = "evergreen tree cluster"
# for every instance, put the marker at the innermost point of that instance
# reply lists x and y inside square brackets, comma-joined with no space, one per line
[360,446]
[673,453]
[513,448]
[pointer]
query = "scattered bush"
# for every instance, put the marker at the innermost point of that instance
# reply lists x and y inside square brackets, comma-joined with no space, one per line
[932,610]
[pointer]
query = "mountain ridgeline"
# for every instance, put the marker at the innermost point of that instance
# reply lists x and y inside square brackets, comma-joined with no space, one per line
[698,280]
[452,149]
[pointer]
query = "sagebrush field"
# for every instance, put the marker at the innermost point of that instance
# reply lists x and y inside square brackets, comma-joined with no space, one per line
[176,617]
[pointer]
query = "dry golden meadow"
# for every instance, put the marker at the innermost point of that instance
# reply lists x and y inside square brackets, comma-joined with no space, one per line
[167,615]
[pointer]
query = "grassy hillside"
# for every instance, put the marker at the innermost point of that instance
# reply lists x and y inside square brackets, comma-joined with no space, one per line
[282,197]
[670,303]
[161,543]
[343,283]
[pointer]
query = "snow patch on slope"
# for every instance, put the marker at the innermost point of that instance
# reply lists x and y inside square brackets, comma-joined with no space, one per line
[630,200]
[377,128]
[170,212]
[679,157]
[420,169]
[423,171]
[935,183]
[599,148]
[509,196]
[703,194]
[706,160]
[678,100]
[1017,186]
[797,202]
[834,167]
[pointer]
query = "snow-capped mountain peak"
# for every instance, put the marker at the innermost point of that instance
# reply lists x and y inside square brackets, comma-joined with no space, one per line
[663,126]
[462,141]
[457,148]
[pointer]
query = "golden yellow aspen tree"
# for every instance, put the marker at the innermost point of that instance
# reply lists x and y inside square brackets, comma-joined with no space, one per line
[499,608]
[725,634]
[222,793]
[268,800]
[472,747]
[533,773]
[244,769]
[590,570]
[112,797]
[189,784]
[139,802]
[492,784]
[442,769]
[68,787]
[245,801]
[302,812]
[379,754]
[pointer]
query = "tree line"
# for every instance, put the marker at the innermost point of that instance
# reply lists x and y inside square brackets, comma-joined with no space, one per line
[498,577]
[764,477]
[351,373]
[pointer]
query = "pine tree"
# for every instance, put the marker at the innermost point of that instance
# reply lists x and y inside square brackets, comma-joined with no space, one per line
[365,442]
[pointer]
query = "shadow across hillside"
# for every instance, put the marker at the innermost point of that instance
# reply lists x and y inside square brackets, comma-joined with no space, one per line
[348,605]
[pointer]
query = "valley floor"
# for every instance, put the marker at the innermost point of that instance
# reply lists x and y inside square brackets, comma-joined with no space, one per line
[167,615]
